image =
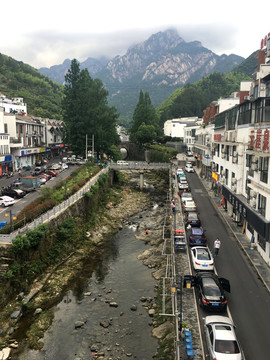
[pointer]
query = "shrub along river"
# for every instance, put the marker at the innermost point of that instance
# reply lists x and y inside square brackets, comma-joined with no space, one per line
[102,314]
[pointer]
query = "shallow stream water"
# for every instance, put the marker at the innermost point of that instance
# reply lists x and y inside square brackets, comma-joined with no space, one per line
[118,277]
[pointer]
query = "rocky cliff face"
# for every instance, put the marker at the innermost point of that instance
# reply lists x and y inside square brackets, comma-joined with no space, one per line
[159,65]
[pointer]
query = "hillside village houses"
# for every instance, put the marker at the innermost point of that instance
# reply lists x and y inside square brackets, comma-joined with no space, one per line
[26,139]
[233,152]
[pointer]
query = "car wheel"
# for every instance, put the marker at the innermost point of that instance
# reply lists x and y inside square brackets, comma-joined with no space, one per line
[3,205]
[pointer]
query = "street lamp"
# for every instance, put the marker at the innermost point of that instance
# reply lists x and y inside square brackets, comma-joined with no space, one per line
[10,219]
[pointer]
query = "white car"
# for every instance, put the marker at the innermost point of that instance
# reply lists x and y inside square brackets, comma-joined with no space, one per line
[180,171]
[221,338]
[189,205]
[202,258]
[189,168]
[183,185]
[186,196]
[6,201]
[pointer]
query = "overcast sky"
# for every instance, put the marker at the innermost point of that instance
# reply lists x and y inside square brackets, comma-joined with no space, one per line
[45,33]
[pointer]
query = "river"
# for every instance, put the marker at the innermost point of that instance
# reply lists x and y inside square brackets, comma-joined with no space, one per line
[121,331]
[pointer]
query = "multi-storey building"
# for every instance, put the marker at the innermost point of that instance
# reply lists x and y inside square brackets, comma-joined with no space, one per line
[26,139]
[240,153]
[13,106]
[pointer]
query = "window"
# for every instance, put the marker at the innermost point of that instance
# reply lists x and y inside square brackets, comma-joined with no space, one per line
[264,169]
[262,205]
[227,150]
[261,242]
[6,128]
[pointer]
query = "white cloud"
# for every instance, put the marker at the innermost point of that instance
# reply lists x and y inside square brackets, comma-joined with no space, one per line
[47,34]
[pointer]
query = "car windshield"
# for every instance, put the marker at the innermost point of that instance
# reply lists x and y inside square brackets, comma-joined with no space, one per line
[210,287]
[192,216]
[227,347]
[203,255]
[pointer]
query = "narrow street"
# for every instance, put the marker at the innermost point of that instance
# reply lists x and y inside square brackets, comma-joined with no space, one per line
[249,301]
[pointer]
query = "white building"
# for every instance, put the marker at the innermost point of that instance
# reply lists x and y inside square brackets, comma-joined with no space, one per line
[5,156]
[13,106]
[240,159]
[175,127]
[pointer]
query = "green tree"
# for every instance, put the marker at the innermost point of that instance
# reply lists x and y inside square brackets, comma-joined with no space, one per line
[86,112]
[146,134]
[144,113]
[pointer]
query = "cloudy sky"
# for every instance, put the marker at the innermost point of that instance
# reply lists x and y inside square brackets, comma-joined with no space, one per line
[45,33]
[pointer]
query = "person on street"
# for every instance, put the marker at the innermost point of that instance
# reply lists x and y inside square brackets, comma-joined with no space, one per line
[173,205]
[217,244]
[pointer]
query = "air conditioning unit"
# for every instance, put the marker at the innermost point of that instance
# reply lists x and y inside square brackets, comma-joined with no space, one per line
[234,181]
[253,193]
[252,202]
[221,172]
[223,155]
[234,187]
[232,136]
[254,167]
[246,97]
[225,136]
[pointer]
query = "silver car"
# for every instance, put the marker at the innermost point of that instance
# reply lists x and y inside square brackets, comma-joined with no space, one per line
[221,338]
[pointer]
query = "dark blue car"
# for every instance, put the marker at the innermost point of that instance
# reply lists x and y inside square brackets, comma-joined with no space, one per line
[197,237]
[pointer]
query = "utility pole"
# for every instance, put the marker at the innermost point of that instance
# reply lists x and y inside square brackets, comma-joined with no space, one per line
[93,143]
[86,147]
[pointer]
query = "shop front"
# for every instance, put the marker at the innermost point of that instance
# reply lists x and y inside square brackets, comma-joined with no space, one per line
[256,227]
[6,165]
[26,158]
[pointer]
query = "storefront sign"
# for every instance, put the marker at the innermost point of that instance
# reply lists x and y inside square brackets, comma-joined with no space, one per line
[259,140]
[215,176]
[217,137]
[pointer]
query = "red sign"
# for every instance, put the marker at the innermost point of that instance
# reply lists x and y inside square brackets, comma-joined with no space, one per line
[217,137]
[265,146]
[258,140]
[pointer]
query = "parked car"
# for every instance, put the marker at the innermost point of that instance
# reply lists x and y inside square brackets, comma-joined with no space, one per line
[14,193]
[186,196]
[201,258]
[192,219]
[189,168]
[211,290]
[6,201]
[189,205]
[197,236]
[122,162]
[180,171]
[64,166]
[221,338]
[38,170]
[55,167]
[42,180]
[182,177]
[51,172]
[183,185]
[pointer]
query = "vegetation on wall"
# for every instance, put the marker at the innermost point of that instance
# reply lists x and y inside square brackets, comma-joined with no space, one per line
[42,95]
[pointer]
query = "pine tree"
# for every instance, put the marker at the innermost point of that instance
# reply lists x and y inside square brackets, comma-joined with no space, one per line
[86,112]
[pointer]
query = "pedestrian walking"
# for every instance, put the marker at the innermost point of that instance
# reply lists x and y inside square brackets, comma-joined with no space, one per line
[217,244]
[173,205]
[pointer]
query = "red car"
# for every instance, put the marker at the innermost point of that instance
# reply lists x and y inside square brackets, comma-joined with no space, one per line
[51,172]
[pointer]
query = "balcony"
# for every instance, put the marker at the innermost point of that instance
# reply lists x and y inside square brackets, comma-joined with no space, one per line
[15,142]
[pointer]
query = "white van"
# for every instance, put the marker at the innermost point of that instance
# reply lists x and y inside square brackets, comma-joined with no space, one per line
[122,162]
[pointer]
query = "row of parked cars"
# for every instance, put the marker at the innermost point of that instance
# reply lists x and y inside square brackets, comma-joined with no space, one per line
[220,333]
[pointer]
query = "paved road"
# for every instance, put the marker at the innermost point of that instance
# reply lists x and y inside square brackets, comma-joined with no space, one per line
[21,203]
[249,302]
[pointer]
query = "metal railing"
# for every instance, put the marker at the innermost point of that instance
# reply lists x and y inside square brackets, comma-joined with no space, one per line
[54,212]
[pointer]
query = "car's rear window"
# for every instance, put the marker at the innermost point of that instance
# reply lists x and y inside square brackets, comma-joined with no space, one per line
[210,287]
[227,347]
[192,216]
[203,255]
[197,231]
